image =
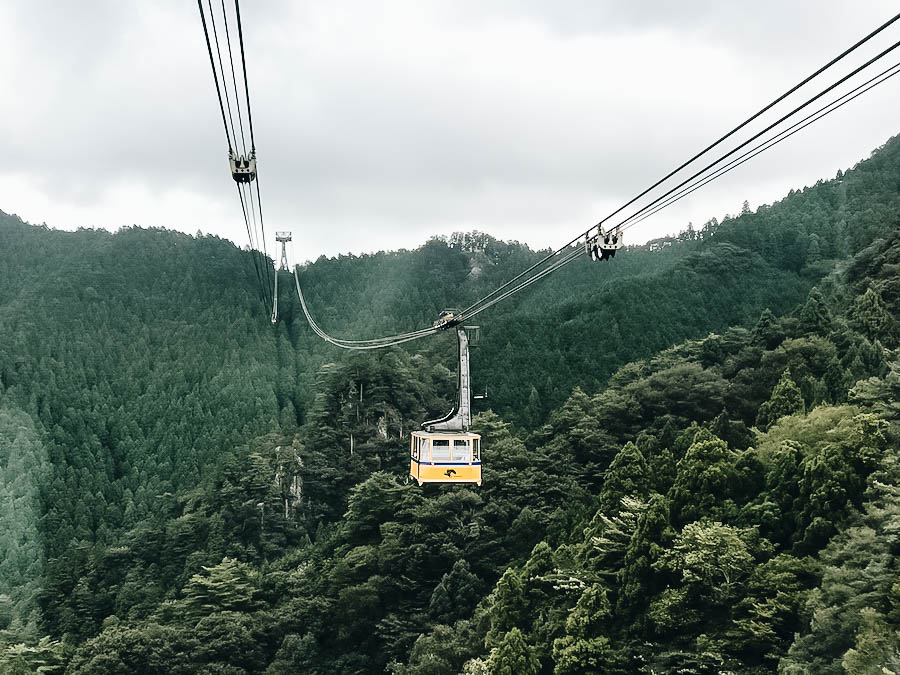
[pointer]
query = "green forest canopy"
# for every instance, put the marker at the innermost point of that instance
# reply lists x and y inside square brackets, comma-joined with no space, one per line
[690,452]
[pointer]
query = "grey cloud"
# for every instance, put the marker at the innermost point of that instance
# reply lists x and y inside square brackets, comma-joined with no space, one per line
[391,122]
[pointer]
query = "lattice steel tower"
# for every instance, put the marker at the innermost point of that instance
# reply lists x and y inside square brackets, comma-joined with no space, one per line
[283,238]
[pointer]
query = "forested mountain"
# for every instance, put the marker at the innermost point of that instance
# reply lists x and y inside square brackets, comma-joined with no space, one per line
[690,454]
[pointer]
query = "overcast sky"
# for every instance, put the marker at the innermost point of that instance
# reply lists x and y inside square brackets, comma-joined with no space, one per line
[379,124]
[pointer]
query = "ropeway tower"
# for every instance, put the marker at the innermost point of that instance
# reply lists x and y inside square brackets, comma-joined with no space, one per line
[283,238]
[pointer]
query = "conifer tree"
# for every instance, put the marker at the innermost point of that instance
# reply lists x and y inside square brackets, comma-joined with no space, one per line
[706,480]
[815,317]
[765,332]
[509,608]
[637,578]
[627,476]
[872,316]
[584,648]
[786,400]
[513,656]
[456,595]
[226,586]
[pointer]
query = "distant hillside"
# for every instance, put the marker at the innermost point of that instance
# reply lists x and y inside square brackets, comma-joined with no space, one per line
[183,484]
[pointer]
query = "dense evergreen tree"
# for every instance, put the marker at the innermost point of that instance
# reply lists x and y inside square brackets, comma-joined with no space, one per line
[786,400]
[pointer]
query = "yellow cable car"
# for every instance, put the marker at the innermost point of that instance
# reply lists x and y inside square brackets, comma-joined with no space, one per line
[445,457]
[445,451]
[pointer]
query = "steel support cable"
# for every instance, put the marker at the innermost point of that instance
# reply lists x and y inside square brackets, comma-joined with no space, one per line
[478,306]
[783,135]
[252,256]
[237,101]
[212,20]
[245,203]
[212,64]
[743,124]
[228,133]
[253,209]
[262,226]
[464,315]
[418,333]
[267,273]
[540,275]
[357,344]
[756,115]
[275,300]
[246,209]
[369,344]
[772,142]
[524,284]
[793,112]
[254,238]
[250,217]
[237,13]
[364,344]
[519,275]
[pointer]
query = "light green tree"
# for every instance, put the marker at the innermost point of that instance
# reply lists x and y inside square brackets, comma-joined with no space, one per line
[786,400]
[513,656]
[228,586]
[627,476]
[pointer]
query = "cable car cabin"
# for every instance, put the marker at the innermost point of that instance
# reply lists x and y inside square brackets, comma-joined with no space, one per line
[445,457]
[243,169]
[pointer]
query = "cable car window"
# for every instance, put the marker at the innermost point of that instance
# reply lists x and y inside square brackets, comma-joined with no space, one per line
[476,449]
[461,450]
[440,450]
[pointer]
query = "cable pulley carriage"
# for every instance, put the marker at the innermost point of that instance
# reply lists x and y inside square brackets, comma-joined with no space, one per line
[243,167]
[447,319]
[604,244]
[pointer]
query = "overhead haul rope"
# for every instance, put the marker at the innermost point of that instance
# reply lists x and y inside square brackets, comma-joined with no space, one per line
[249,206]
[765,145]
[569,257]
[253,257]
[666,199]
[212,64]
[237,100]
[793,112]
[228,132]
[262,224]
[212,20]
[743,124]
[376,343]
[655,206]
[254,207]
[718,142]
[394,340]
